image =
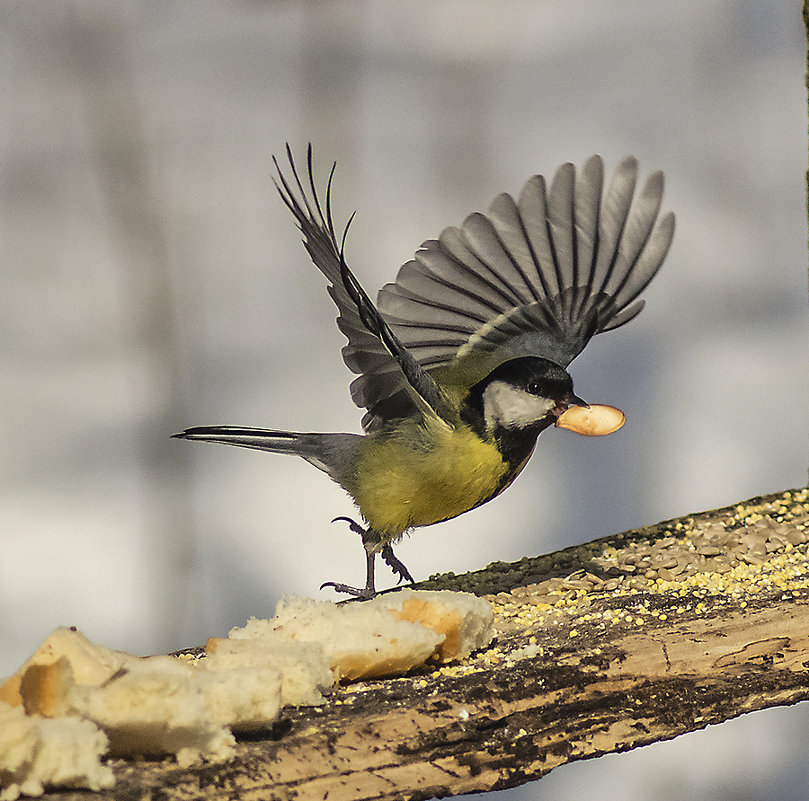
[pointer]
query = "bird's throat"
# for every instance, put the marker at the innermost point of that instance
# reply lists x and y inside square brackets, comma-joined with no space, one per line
[515,444]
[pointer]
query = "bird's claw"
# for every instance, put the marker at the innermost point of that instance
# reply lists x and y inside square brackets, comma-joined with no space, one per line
[363,593]
[353,526]
[396,565]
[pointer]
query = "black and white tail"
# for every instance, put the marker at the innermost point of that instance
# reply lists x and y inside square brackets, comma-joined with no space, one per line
[329,452]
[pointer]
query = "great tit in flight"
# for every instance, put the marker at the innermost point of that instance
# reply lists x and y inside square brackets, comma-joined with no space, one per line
[462,361]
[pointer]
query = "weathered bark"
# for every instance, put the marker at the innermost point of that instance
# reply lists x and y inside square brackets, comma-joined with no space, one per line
[598,671]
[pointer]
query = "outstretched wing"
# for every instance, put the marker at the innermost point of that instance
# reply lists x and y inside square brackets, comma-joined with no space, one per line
[538,276]
[372,347]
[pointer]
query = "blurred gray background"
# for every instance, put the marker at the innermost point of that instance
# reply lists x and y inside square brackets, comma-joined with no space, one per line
[153,280]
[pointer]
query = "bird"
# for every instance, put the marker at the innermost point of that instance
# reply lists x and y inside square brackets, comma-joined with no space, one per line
[463,359]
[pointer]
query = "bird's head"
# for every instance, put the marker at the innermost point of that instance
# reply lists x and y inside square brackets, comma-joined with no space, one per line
[528,393]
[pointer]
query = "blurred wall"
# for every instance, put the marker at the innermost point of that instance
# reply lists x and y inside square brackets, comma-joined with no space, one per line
[153,280]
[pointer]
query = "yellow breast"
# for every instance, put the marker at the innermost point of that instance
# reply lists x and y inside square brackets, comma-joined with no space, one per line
[424,473]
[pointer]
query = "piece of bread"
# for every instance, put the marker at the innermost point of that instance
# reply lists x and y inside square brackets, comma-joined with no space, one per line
[246,699]
[161,705]
[91,663]
[305,671]
[466,621]
[155,709]
[360,640]
[38,753]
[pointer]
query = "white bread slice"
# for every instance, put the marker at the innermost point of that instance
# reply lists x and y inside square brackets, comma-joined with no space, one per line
[160,705]
[359,639]
[153,709]
[38,753]
[466,621]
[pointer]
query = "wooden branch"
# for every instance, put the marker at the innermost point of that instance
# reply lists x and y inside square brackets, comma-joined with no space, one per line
[600,648]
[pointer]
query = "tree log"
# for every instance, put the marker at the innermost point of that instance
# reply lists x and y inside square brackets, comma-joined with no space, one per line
[599,648]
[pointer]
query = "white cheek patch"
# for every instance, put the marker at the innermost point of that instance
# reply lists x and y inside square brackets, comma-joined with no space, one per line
[509,407]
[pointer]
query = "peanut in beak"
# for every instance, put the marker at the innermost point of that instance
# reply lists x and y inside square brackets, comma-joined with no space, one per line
[592,421]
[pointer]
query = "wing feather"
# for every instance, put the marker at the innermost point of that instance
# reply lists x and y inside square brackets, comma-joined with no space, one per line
[533,210]
[560,221]
[541,275]
[614,211]
[482,237]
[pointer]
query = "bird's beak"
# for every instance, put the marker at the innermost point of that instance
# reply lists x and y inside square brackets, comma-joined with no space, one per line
[575,400]
[570,400]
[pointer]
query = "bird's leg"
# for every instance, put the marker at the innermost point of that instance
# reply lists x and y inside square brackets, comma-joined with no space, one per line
[364,593]
[372,547]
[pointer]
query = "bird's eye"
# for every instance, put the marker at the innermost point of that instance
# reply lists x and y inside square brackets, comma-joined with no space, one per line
[534,388]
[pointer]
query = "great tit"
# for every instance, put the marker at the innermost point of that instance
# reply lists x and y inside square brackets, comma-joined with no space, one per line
[462,361]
